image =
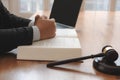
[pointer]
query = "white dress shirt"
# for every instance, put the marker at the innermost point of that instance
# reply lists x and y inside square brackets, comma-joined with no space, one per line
[36,31]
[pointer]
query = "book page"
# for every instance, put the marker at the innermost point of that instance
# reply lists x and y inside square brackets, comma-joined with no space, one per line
[65,38]
[66,33]
[58,43]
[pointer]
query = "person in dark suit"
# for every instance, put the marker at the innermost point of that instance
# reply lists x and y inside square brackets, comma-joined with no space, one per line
[16,31]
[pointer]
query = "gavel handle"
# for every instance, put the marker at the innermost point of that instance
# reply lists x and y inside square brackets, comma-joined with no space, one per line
[73,60]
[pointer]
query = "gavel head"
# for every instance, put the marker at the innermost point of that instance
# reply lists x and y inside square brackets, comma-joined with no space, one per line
[107,64]
[110,54]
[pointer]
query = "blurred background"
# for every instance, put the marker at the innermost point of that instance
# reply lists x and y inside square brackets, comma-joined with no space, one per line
[27,8]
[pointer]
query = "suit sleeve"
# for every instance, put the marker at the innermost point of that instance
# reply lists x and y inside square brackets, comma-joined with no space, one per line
[16,21]
[8,20]
[12,38]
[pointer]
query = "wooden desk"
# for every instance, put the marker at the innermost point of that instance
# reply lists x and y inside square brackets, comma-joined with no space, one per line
[97,29]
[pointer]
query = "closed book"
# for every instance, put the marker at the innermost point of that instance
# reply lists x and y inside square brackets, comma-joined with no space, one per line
[64,45]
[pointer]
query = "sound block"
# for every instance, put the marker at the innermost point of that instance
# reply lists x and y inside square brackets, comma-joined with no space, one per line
[107,68]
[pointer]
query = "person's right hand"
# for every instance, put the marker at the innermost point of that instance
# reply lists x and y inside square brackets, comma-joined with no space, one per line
[47,28]
[37,17]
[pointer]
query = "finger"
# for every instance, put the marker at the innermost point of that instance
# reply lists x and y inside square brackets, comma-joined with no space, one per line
[44,17]
[37,17]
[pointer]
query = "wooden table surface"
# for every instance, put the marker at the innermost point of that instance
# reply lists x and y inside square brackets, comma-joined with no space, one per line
[95,30]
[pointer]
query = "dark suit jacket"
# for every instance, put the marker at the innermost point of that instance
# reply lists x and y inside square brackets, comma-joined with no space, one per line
[14,30]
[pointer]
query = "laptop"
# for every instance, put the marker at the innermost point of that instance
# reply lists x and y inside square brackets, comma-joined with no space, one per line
[65,12]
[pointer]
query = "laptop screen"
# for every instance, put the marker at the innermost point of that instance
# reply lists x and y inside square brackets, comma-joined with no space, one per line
[66,11]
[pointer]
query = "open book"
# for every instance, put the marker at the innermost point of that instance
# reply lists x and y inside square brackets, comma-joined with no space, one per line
[65,45]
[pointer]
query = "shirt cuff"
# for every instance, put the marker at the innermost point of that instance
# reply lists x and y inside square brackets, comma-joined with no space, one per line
[31,23]
[36,33]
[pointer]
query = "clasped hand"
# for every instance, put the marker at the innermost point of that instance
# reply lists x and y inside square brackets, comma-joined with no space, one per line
[46,26]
